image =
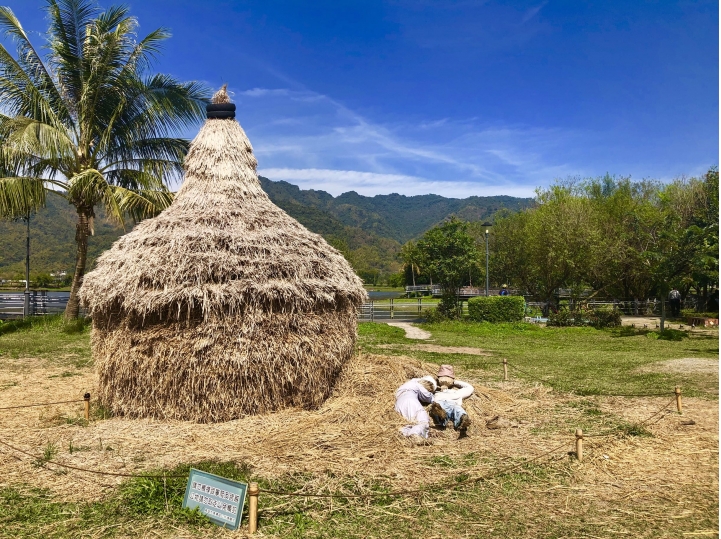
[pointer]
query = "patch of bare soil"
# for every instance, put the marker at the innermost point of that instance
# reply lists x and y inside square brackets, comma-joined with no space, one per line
[686,365]
[412,332]
[653,323]
[439,349]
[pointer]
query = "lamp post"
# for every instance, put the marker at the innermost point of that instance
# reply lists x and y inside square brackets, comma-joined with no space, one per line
[486,224]
[486,262]
[26,303]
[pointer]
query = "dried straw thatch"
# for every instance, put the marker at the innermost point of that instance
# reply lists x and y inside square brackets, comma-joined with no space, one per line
[223,305]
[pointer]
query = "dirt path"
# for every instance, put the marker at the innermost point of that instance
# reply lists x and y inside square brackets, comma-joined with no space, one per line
[437,348]
[412,332]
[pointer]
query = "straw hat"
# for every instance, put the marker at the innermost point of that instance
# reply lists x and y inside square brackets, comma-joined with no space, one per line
[223,305]
[446,370]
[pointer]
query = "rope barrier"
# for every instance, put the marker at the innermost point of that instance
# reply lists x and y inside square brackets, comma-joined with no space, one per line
[41,404]
[301,494]
[641,423]
[98,472]
[429,488]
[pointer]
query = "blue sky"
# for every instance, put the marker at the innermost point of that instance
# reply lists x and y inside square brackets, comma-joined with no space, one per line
[456,98]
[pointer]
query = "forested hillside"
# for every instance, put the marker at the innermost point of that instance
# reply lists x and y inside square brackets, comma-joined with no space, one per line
[393,216]
[52,240]
[368,230]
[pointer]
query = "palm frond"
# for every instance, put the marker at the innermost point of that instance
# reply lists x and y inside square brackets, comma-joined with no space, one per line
[31,63]
[143,203]
[87,188]
[20,196]
[66,35]
[20,95]
[28,136]
[146,50]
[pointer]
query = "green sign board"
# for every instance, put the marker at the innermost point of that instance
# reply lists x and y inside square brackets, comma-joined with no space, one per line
[218,498]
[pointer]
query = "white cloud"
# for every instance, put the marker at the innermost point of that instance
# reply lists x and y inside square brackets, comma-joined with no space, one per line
[262,92]
[532,12]
[337,182]
[315,141]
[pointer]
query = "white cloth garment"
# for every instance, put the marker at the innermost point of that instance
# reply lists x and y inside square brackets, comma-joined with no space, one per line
[460,390]
[408,403]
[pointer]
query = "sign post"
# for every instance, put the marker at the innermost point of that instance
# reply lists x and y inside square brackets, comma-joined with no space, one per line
[218,498]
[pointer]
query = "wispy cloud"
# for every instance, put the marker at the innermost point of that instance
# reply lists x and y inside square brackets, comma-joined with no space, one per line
[532,12]
[315,141]
[337,182]
[263,92]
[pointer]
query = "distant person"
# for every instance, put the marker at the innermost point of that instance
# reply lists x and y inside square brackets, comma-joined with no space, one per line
[410,398]
[674,299]
[504,290]
[448,401]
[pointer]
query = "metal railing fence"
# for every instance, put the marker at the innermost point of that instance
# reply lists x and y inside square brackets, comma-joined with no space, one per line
[41,303]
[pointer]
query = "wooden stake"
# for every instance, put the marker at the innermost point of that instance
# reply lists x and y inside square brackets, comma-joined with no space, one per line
[677,391]
[579,444]
[253,492]
[505,370]
[87,406]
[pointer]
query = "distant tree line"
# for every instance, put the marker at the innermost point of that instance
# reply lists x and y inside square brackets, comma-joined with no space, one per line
[604,237]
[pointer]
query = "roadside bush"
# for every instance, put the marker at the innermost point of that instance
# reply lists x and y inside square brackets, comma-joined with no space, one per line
[496,309]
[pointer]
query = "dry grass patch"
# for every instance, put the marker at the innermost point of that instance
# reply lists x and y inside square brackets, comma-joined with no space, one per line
[693,365]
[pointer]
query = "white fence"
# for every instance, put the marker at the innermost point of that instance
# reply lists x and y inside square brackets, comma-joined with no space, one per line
[11,303]
[394,309]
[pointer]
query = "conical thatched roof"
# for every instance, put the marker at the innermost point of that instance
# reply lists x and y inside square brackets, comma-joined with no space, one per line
[224,304]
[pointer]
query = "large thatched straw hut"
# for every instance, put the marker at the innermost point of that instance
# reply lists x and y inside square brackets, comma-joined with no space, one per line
[223,305]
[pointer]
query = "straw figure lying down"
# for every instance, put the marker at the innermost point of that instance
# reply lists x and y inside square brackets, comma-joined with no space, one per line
[448,401]
[410,398]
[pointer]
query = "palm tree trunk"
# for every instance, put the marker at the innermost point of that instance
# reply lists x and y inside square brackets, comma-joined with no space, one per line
[82,231]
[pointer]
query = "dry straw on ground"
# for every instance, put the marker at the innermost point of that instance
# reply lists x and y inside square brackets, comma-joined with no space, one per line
[223,305]
[354,436]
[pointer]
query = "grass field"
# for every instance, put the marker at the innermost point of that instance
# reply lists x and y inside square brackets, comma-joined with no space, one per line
[659,479]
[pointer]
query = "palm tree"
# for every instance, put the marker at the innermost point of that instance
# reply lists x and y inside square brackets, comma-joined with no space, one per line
[411,257]
[88,122]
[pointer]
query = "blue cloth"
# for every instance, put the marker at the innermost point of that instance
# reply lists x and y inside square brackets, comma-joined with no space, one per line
[453,411]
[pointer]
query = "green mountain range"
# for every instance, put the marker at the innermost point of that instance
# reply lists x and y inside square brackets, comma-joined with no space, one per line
[369,231]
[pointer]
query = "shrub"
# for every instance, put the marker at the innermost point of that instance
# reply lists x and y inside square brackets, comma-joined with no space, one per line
[564,318]
[496,308]
[691,313]
[604,318]
[433,315]
[600,318]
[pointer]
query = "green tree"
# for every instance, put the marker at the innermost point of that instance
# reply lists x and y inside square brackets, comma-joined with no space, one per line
[88,122]
[411,257]
[43,280]
[551,246]
[629,221]
[689,251]
[448,253]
